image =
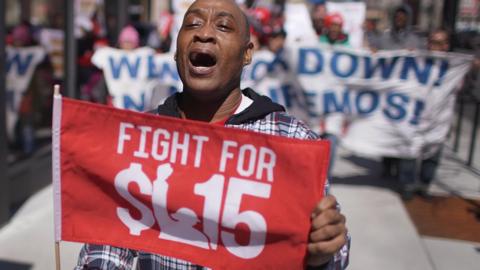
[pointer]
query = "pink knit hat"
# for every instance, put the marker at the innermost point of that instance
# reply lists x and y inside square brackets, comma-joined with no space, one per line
[21,33]
[129,34]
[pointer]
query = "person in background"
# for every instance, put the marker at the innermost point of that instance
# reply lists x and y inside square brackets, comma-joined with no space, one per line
[471,85]
[333,33]
[52,39]
[95,88]
[318,12]
[22,37]
[266,24]
[333,125]
[277,39]
[129,39]
[260,26]
[400,35]
[28,102]
[372,34]
[276,45]
[438,41]
[89,33]
[160,38]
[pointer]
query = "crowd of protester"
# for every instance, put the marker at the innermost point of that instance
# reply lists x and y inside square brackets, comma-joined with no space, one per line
[267,32]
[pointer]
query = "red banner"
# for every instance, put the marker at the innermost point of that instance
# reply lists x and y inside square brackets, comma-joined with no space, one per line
[215,196]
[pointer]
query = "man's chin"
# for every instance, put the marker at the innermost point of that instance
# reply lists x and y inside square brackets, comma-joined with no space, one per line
[202,88]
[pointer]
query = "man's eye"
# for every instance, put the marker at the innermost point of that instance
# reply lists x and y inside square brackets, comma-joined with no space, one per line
[191,25]
[224,27]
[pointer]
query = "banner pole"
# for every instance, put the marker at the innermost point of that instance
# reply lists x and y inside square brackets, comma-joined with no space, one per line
[4,181]
[56,90]
[57,255]
[56,93]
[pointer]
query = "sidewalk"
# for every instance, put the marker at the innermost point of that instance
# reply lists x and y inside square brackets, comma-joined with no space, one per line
[27,241]
[383,235]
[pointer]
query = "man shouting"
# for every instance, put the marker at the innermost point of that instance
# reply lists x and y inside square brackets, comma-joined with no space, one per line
[213,46]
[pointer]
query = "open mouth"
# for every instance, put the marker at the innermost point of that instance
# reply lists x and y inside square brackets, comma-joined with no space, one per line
[202,61]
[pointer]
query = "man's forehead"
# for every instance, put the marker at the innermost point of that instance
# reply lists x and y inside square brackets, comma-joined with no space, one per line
[218,6]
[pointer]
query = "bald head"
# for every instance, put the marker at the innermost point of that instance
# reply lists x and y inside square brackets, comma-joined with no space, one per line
[213,46]
[236,13]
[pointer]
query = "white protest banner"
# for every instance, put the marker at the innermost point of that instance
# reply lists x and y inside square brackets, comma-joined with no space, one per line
[21,64]
[391,103]
[299,27]
[133,76]
[52,41]
[298,24]
[85,10]
[439,110]
[179,7]
[271,75]
[353,14]
[386,98]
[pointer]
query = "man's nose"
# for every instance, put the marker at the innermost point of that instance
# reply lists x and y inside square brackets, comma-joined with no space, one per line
[205,34]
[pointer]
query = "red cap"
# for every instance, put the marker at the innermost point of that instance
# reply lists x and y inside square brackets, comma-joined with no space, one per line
[262,14]
[333,18]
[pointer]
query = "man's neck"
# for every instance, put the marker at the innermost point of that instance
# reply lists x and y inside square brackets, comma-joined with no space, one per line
[194,108]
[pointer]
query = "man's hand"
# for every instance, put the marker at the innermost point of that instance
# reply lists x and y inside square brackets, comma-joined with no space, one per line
[328,233]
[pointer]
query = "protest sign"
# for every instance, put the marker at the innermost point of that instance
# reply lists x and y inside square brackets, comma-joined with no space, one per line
[383,99]
[298,23]
[179,8]
[20,67]
[132,76]
[220,197]
[353,14]
[52,41]
[389,103]
[85,11]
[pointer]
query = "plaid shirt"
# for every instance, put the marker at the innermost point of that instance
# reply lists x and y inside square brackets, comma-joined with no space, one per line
[107,257]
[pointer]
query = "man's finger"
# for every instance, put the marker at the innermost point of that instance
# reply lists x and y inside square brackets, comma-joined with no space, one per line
[327,247]
[327,233]
[328,202]
[327,217]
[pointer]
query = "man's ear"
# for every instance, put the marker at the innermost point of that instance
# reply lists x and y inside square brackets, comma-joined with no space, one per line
[247,57]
